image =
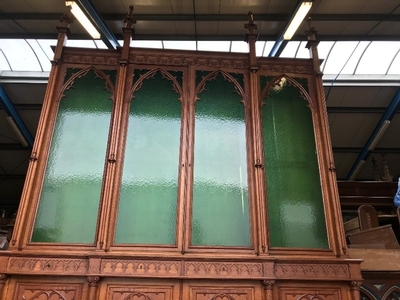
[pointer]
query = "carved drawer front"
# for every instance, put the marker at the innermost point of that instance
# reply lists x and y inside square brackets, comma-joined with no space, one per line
[212,293]
[46,291]
[140,293]
[301,294]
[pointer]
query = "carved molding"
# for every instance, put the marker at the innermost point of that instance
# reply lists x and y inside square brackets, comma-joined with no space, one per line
[47,292]
[298,69]
[222,297]
[227,77]
[93,280]
[312,271]
[199,293]
[310,297]
[170,60]
[268,284]
[51,294]
[47,265]
[140,268]
[108,60]
[223,269]
[3,278]
[109,86]
[355,285]
[138,292]
[294,294]
[150,74]
[137,296]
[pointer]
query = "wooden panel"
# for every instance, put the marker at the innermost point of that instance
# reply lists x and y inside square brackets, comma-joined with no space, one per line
[47,291]
[221,294]
[222,290]
[309,294]
[139,292]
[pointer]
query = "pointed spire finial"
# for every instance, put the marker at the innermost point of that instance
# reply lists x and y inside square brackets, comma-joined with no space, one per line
[129,19]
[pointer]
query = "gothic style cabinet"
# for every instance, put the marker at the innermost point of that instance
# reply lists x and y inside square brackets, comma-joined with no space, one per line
[166,175]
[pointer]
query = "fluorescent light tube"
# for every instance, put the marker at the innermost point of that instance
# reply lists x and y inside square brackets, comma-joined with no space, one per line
[297,19]
[18,132]
[83,19]
[378,136]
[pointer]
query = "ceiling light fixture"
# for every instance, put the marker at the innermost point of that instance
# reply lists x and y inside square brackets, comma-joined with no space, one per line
[379,134]
[297,17]
[83,19]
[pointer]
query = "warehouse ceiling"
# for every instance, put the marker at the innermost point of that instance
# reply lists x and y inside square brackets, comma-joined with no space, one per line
[360,46]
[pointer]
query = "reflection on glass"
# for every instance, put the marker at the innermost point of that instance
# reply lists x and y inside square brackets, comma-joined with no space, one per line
[295,208]
[148,200]
[220,193]
[70,195]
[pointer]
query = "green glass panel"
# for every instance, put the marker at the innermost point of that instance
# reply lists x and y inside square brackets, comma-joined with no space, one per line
[148,200]
[69,201]
[220,191]
[295,207]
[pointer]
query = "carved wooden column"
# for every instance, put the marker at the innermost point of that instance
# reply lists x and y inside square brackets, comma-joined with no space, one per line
[93,284]
[269,289]
[33,178]
[332,206]
[114,162]
[251,37]
[355,290]
[3,279]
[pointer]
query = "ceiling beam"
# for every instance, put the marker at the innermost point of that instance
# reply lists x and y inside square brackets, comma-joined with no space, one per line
[106,35]
[12,147]
[26,106]
[356,110]
[12,176]
[359,149]
[213,17]
[9,107]
[204,37]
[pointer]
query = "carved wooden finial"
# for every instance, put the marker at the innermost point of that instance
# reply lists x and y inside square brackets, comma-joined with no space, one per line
[311,32]
[129,19]
[251,18]
[66,17]
[250,26]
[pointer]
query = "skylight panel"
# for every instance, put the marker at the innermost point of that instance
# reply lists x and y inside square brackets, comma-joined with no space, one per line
[290,49]
[239,46]
[20,55]
[377,58]
[81,43]
[100,44]
[44,61]
[4,66]
[355,58]
[267,48]
[219,46]
[146,44]
[46,46]
[338,56]
[259,48]
[302,51]
[180,45]
[395,66]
